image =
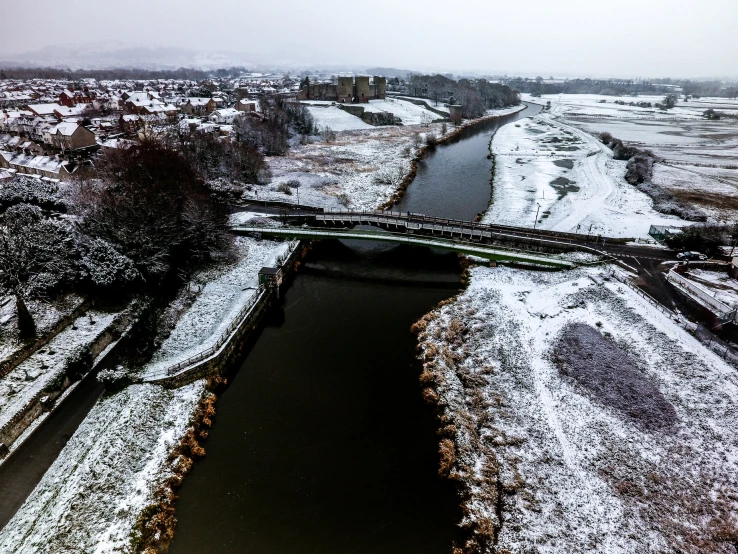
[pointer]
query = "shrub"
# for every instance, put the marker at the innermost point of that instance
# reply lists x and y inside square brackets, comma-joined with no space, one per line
[606,138]
[703,238]
[284,188]
[78,362]
[328,134]
[639,169]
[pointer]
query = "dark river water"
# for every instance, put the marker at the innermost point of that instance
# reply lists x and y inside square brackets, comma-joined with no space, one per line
[454,180]
[322,442]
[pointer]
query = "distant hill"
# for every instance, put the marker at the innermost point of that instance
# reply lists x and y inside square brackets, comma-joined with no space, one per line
[387,71]
[105,56]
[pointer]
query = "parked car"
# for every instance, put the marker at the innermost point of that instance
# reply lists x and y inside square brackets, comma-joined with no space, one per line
[688,256]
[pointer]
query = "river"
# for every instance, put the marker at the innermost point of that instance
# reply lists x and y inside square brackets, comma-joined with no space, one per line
[322,442]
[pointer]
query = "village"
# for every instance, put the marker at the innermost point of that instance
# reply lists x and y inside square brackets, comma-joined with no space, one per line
[52,129]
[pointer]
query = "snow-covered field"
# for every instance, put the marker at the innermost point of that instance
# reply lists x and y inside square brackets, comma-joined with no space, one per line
[360,169]
[546,167]
[336,119]
[700,156]
[637,454]
[333,117]
[91,497]
[409,113]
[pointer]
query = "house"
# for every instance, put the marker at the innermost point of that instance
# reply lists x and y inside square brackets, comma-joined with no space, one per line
[224,115]
[63,112]
[72,98]
[197,106]
[133,102]
[29,164]
[159,108]
[43,110]
[245,105]
[72,136]
[130,123]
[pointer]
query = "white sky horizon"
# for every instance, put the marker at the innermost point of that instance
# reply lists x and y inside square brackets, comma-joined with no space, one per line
[627,39]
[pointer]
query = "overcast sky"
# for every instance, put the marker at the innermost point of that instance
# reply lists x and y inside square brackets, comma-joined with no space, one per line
[629,38]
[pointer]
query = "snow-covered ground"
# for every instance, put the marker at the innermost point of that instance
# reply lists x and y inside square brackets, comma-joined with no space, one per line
[700,156]
[222,293]
[91,497]
[46,315]
[721,285]
[333,117]
[336,119]
[21,385]
[360,169]
[409,113]
[636,454]
[569,179]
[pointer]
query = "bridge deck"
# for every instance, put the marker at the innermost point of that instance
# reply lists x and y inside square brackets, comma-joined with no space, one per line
[463,247]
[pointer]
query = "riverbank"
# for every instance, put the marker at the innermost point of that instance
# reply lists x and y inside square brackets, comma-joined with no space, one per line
[575,461]
[568,180]
[574,415]
[109,482]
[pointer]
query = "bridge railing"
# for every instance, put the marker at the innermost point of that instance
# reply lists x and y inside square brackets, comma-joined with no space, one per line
[400,215]
[225,335]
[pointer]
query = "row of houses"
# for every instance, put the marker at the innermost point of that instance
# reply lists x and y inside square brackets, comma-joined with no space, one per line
[60,135]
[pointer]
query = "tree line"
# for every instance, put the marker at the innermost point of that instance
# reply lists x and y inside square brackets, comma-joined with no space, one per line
[474,96]
[612,87]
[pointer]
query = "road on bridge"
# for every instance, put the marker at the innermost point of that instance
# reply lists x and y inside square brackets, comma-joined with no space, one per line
[646,261]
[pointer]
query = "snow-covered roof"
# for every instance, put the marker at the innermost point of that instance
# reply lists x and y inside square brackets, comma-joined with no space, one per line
[225,112]
[66,129]
[43,109]
[197,101]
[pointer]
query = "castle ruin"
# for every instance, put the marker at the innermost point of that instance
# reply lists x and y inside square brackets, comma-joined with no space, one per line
[348,90]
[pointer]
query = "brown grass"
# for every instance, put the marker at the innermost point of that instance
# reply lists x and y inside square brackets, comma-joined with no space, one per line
[704,198]
[447,455]
[154,528]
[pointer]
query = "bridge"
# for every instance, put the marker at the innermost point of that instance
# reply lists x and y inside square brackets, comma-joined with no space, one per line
[459,245]
[498,242]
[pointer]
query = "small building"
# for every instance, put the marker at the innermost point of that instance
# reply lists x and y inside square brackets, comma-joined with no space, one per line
[72,136]
[224,115]
[244,105]
[197,106]
[660,232]
[270,277]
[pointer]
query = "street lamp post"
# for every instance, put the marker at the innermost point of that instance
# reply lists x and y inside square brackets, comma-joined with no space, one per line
[536,221]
